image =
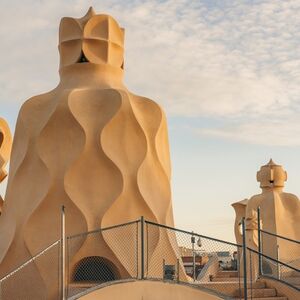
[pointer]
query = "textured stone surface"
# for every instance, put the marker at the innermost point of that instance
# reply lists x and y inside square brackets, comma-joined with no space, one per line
[92,146]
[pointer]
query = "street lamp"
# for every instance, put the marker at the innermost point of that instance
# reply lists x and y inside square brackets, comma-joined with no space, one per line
[199,244]
[193,240]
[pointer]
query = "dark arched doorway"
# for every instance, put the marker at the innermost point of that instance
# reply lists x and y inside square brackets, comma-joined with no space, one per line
[95,269]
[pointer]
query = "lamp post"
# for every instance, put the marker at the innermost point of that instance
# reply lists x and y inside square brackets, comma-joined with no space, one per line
[193,240]
[199,244]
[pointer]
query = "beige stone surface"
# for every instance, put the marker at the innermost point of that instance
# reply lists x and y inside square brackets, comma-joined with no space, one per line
[148,290]
[5,148]
[93,146]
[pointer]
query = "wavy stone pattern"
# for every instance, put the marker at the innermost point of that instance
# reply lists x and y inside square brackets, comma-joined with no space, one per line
[94,147]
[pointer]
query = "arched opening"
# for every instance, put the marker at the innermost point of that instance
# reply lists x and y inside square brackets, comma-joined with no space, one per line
[95,269]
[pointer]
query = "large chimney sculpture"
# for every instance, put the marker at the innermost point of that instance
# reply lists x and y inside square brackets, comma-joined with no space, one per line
[94,147]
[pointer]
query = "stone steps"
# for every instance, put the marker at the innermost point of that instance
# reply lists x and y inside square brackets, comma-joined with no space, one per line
[268,298]
[261,293]
[256,290]
[234,284]
[227,274]
[226,279]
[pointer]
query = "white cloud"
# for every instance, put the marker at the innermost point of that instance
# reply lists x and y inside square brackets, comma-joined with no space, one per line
[236,61]
[265,132]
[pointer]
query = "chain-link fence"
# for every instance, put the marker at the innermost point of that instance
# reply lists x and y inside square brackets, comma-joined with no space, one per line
[146,250]
[287,276]
[280,248]
[278,257]
[255,288]
[36,279]
[101,256]
[207,263]
[276,269]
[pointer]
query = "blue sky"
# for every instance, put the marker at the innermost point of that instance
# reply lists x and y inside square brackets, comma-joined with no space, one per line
[227,73]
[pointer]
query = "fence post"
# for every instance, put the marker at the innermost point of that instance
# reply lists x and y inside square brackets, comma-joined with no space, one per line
[244,258]
[63,253]
[178,275]
[278,264]
[142,248]
[259,243]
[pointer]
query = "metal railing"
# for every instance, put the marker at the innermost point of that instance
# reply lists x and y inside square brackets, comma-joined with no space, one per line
[139,250]
[187,257]
[135,250]
[102,255]
[278,256]
[278,270]
[42,269]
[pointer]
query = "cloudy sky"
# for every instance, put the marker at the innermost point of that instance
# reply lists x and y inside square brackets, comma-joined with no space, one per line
[227,73]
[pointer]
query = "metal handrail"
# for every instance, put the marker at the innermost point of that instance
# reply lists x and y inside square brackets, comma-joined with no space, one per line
[33,258]
[193,233]
[141,248]
[281,281]
[280,236]
[102,229]
[274,260]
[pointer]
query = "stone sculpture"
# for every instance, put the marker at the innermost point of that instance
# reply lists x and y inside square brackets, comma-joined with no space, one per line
[92,146]
[280,214]
[5,148]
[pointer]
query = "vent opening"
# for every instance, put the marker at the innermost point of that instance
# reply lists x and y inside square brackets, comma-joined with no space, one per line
[82,58]
[95,269]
